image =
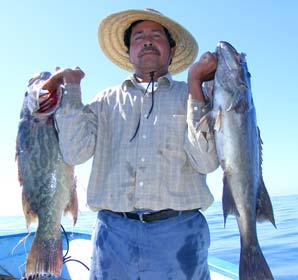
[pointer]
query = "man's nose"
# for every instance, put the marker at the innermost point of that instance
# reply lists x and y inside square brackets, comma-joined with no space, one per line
[147,41]
[147,44]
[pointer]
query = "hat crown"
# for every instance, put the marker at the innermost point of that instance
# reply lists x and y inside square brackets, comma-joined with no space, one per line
[153,11]
[111,38]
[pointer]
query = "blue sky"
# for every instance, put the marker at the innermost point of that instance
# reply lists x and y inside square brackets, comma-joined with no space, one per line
[39,35]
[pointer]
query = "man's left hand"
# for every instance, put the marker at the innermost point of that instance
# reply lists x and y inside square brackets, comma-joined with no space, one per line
[204,69]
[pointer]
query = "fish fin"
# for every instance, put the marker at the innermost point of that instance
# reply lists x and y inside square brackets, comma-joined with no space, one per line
[208,91]
[206,123]
[30,214]
[260,148]
[239,101]
[228,202]
[264,207]
[253,265]
[45,256]
[217,123]
[264,210]
[73,206]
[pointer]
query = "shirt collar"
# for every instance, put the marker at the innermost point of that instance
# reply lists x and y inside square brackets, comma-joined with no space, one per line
[130,81]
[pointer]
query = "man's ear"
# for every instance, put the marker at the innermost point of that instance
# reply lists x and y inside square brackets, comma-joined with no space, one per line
[129,56]
[172,53]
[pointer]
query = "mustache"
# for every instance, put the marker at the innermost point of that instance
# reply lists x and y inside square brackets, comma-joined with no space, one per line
[148,48]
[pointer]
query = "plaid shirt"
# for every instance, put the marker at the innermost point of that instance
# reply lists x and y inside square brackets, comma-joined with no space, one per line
[163,166]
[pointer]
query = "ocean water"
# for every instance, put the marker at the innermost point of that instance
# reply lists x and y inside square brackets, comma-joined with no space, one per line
[279,245]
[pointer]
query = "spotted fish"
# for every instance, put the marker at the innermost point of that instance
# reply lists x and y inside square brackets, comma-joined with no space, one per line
[48,183]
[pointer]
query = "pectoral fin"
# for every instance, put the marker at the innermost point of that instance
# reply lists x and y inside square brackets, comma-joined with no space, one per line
[217,124]
[239,100]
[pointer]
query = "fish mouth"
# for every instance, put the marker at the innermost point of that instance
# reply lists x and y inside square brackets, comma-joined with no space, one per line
[226,45]
[48,102]
[42,102]
[229,55]
[41,76]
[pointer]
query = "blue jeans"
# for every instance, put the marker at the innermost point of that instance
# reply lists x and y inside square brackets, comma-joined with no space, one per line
[125,249]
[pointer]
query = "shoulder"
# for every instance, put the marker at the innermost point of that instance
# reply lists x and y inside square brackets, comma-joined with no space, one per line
[107,92]
[180,88]
[174,84]
[180,84]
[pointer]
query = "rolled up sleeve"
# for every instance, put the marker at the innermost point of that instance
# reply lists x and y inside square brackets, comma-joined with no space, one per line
[76,125]
[200,147]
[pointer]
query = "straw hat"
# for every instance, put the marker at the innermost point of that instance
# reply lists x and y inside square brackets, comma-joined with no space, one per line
[111,38]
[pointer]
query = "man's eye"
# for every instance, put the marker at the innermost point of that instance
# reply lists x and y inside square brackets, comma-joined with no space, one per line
[139,37]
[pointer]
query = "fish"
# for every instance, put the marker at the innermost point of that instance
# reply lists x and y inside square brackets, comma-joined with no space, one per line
[48,183]
[233,121]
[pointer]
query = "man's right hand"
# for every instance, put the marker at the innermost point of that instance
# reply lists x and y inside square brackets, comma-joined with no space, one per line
[50,98]
[63,76]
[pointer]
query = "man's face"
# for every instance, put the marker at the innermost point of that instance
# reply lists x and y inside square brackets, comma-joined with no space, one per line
[149,48]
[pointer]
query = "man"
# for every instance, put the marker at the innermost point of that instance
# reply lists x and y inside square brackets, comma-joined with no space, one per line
[148,177]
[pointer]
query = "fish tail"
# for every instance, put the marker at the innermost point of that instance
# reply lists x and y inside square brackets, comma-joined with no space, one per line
[264,209]
[45,256]
[253,265]
[73,206]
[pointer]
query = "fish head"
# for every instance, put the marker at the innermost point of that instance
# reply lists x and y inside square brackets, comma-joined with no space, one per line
[231,63]
[232,73]
[228,54]
[39,77]
[40,102]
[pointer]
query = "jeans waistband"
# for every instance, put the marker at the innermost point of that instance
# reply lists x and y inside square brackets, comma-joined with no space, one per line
[155,216]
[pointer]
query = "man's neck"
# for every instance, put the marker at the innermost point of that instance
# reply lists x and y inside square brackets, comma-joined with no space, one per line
[147,77]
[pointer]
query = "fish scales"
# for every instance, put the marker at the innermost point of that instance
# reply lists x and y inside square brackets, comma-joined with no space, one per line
[239,149]
[48,183]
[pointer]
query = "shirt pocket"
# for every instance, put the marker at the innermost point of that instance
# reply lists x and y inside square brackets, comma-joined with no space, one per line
[172,128]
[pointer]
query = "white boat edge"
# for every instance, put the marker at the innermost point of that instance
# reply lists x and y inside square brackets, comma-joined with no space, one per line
[13,258]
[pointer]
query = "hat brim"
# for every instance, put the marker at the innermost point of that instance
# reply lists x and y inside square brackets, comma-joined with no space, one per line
[111,38]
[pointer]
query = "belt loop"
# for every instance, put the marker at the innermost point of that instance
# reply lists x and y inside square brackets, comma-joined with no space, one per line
[124,214]
[142,218]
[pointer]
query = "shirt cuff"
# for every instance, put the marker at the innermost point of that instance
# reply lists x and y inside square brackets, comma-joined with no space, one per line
[72,94]
[196,109]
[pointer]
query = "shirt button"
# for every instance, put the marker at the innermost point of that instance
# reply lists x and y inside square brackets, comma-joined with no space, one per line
[195,108]
[145,115]
[144,136]
[141,184]
[142,159]
[65,91]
